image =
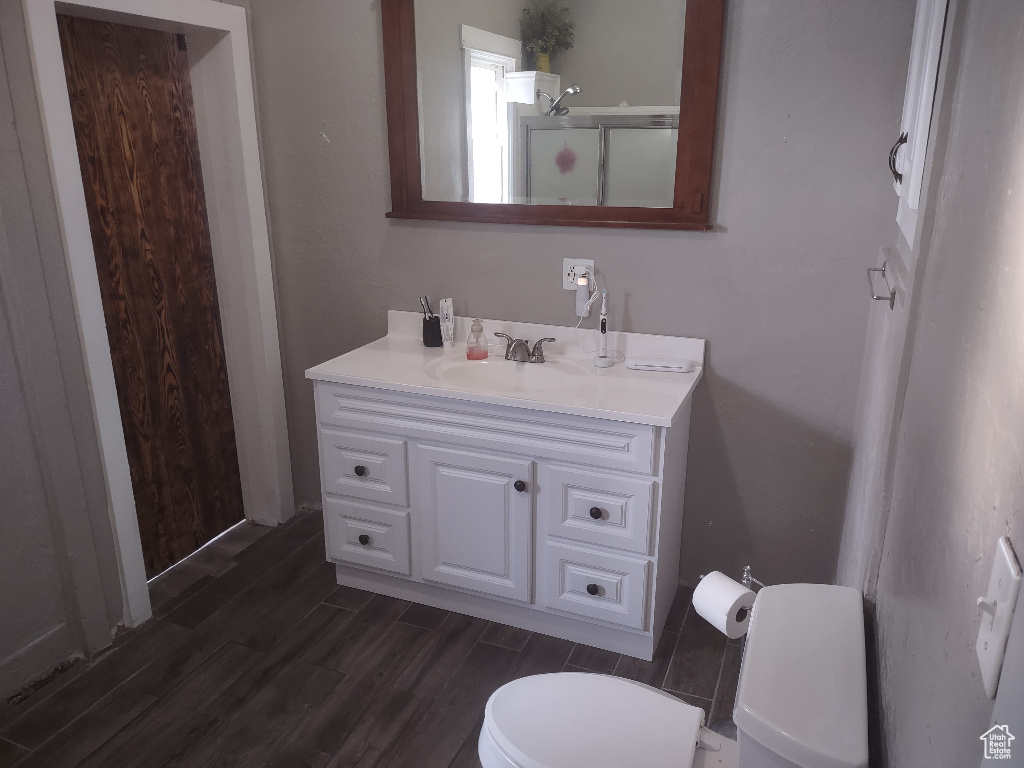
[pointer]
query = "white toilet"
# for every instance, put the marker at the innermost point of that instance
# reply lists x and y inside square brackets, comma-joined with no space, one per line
[801,701]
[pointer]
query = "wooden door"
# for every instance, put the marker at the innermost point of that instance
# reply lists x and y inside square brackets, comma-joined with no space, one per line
[131,102]
[477,520]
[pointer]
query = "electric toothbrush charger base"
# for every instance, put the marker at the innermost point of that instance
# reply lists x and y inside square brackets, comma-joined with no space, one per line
[604,362]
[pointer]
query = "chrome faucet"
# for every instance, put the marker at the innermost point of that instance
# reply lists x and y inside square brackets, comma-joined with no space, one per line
[518,350]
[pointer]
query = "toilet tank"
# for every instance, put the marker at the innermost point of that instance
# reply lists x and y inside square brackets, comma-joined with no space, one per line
[802,696]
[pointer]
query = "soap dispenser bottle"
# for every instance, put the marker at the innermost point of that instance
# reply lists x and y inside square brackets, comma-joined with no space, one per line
[476,342]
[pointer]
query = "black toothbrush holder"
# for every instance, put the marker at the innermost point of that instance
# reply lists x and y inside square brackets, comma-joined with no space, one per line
[432,332]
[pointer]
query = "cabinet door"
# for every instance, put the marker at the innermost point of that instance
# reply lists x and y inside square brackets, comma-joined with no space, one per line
[925,51]
[476,520]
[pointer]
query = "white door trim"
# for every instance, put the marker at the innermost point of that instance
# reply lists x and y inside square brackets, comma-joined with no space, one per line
[226,121]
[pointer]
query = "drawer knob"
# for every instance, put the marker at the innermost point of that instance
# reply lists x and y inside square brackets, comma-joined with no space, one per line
[593,589]
[364,539]
[360,470]
[595,512]
[519,485]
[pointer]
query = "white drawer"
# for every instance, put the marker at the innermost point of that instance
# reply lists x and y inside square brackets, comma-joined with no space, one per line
[364,535]
[371,468]
[595,584]
[597,508]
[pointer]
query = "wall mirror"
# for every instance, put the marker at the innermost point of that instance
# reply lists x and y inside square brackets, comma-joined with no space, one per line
[620,133]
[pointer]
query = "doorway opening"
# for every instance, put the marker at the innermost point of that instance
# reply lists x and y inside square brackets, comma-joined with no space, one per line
[221,77]
[131,103]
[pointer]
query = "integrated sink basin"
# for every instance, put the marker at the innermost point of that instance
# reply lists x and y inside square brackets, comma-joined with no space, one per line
[567,383]
[498,374]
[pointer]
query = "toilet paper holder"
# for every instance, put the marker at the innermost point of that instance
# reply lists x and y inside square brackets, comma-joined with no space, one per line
[748,578]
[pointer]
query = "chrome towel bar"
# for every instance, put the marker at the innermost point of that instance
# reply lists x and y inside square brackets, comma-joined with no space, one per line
[891,295]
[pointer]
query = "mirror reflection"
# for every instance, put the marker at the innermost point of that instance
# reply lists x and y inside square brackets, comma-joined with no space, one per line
[599,128]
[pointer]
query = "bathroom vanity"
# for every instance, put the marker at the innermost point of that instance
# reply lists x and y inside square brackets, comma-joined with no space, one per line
[547,496]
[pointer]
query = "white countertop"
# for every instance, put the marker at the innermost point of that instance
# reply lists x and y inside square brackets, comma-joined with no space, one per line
[567,383]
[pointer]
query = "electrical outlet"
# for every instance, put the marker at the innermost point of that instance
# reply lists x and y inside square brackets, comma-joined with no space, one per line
[572,269]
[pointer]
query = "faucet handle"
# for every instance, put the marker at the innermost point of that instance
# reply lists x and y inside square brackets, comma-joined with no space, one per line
[537,356]
[509,341]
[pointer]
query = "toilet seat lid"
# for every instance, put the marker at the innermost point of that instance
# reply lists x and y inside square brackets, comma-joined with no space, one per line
[577,720]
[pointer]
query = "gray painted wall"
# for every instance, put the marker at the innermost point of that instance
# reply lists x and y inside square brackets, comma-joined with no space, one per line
[624,52]
[36,631]
[810,99]
[880,400]
[957,480]
[58,567]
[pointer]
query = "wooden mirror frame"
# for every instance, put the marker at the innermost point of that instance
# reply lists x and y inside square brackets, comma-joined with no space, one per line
[702,54]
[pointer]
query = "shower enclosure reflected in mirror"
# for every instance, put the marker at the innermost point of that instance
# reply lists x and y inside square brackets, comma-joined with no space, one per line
[618,134]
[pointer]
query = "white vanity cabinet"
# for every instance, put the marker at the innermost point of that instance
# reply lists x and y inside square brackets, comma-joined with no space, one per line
[556,523]
[544,496]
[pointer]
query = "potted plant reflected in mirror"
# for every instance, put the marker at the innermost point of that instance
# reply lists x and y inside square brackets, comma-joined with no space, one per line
[545,30]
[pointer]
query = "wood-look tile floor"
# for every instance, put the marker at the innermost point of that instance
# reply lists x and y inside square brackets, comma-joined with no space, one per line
[256,657]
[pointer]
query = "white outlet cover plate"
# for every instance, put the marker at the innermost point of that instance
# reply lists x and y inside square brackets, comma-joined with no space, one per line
[1003,587]
[571,267]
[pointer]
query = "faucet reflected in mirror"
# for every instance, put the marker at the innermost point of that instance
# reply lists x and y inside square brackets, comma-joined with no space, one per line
[554,108]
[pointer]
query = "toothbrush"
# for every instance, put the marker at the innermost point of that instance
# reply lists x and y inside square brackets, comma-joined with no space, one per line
[602,360]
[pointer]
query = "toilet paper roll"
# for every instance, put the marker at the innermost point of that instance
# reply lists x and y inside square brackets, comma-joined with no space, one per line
[724,603]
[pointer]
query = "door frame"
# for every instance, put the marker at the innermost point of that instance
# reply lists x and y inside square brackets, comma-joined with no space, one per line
[221,74]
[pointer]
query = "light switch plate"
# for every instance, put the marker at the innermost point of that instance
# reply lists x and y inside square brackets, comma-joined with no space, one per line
[996,609]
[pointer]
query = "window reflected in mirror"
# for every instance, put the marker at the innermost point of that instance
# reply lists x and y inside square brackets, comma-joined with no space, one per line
[487,126]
